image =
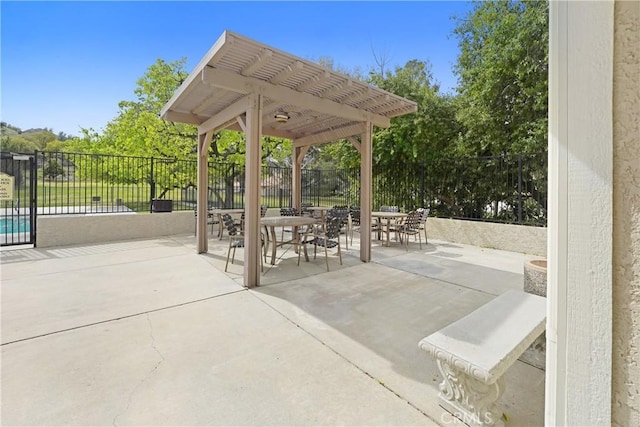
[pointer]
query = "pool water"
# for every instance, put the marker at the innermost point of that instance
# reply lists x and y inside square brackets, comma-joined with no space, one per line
[14,225]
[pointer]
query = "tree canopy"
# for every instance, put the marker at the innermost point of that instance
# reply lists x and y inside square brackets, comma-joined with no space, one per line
[502,69]
[421,136]
[500,105]
[138,129]
[16,140]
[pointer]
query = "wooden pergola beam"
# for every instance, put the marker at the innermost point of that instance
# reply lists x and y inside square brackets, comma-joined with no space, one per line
[230,113]
[330,135]
[216,77]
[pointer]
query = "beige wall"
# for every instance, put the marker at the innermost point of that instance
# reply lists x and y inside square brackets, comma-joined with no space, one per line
[79,229]
[507,237]
[626,216]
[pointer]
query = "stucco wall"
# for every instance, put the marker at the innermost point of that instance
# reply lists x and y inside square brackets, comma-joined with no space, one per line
[626,216]
[79,229]
[516,238]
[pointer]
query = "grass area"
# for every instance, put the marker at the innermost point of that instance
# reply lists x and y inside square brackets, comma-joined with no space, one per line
[137,197]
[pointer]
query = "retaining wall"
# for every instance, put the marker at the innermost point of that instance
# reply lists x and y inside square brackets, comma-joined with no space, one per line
[507,237]
[80,229]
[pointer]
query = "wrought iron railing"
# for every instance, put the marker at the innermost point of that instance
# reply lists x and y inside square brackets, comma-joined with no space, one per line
[509,188]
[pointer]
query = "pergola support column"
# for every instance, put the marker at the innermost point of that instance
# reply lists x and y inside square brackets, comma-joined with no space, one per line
[252,192]
[366,180]
[202,204]
[296,175]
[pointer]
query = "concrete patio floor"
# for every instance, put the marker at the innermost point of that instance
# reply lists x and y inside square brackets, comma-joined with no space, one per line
[148,332]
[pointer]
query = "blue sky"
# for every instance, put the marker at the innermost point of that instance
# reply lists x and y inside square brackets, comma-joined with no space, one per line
[66,65]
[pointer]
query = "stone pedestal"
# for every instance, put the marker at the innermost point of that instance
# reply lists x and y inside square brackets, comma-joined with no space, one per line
[535,282]
[535,277]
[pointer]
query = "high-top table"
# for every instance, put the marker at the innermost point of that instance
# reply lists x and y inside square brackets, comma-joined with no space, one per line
[388,216]
[272,222]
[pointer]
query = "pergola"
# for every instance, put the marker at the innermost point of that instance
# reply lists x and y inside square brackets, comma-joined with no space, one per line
[246,86]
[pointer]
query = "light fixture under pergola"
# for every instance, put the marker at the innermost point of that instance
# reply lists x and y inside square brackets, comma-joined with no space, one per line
[281,116]
[247,86]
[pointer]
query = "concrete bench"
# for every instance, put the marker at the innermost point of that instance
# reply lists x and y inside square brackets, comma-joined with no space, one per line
[474,352]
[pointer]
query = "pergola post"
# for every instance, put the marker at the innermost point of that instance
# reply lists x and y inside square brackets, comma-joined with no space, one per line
[296,175]
[296,179]
[202,200]
[366,179]
[252,192]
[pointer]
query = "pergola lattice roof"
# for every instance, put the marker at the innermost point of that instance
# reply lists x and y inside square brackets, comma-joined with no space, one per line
[323,105]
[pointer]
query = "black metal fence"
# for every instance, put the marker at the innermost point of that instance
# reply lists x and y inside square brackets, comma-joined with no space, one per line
[17,199]
[510,188]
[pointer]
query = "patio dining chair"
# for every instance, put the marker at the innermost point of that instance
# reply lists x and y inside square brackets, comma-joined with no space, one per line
[240,222]
[304,207]
[394,225]
[326,235]
[423,221]
[354,217]
[287,212]
[236,240]
[212,220]
[341,212]
[410,227]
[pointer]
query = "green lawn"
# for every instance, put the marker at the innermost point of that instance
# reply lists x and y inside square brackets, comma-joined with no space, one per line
[137,197]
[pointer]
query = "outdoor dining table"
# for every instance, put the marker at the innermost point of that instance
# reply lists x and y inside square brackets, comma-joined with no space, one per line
[270,223]
[219,212]
[388,216]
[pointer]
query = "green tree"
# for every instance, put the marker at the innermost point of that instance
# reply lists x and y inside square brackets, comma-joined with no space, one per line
[425,136]
[502,105]
[421,136]
[52,169]
[18,144]
[502,70]
[139,131]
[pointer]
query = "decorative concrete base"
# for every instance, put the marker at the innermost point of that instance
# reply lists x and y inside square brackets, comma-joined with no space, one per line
[474,352]
[535,282]
[468,399]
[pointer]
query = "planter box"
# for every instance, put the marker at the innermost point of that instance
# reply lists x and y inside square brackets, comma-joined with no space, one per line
[161,205]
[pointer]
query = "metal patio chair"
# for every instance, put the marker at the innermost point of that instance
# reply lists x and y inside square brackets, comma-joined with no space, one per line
[326,235]
[410,227]
[236,240]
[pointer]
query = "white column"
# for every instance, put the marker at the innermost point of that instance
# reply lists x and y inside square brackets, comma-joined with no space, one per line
[253,165]
[366,164]
[579,301]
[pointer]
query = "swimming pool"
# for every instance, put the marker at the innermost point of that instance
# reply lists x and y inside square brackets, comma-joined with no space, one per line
[14,225]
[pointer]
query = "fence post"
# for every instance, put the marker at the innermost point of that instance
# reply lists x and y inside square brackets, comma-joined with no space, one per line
[233,187]
[152,183]
[423,190]
[33,196]
[318,177]
[520,188]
